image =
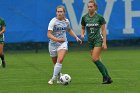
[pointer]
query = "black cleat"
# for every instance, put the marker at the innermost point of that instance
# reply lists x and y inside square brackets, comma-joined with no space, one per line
[107,80]
[3,64]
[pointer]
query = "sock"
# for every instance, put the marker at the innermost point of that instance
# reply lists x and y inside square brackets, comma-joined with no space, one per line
[59,76]
[106,71]
[2,57]
[57,69]
[101,68]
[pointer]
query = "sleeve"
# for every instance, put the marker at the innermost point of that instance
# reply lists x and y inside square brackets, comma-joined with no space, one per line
[83,21]
[3,22]
[51,24]
[102,21]
[69,26]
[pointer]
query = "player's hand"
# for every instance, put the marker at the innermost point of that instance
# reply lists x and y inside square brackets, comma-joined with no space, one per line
[78,40]
[60,40]
[104,46]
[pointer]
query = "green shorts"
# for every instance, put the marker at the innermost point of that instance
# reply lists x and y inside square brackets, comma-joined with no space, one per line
[95,43]
[1,40]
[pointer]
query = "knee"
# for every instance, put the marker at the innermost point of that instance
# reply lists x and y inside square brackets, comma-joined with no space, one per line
[60,60]
[94,59]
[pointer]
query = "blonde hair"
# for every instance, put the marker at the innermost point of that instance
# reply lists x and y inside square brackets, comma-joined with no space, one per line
[94,2]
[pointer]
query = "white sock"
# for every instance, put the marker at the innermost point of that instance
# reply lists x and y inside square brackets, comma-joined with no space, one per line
[57,69]
[59,75]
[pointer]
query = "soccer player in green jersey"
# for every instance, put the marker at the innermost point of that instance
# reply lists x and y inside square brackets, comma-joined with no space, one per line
[93,23]
[2,30]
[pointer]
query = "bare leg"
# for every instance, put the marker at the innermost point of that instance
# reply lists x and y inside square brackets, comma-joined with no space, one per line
[96,59]
[58,65]
[54,60]
[2,55]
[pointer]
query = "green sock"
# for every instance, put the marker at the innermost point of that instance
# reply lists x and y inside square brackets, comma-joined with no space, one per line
[101,68]
[106,71]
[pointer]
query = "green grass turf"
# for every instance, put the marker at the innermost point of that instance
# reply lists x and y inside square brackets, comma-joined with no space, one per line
[29,72]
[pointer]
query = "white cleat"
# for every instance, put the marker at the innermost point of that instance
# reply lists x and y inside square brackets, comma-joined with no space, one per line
[50,82]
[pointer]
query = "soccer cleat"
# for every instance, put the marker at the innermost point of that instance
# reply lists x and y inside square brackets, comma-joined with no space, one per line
[107,80]
[50,82]
[3,64]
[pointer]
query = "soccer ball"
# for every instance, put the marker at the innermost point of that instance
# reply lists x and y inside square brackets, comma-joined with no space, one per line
[65,79]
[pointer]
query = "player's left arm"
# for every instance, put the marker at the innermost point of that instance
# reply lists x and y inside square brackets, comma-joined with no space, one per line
[74,35]
[103,29]
[3,30]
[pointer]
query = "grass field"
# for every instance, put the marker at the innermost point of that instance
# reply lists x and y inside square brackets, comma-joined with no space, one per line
[29,72]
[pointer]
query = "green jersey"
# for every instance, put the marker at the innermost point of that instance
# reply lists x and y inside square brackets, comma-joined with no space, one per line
[93,25]
[2,23]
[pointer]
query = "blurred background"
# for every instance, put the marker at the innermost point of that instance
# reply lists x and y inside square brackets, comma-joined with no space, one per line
[27,21]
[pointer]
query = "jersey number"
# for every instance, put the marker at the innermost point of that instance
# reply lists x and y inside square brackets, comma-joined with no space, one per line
[91,30]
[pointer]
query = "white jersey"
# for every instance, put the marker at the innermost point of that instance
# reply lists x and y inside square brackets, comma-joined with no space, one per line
[59,28]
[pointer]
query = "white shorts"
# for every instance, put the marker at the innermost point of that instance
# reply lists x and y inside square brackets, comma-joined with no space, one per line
[54,48]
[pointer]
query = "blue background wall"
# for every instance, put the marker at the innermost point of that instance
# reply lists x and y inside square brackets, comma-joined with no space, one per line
[27,20]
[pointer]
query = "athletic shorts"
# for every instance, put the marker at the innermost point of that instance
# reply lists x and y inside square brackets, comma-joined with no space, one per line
[95,43]
[1,40]
[54,48]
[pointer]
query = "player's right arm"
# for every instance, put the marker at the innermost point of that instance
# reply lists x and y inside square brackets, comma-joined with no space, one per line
[3,30]
[82,32]
[50,36]
[82,28]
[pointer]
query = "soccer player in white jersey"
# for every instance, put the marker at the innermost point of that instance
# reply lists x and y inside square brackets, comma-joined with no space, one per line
[57,29]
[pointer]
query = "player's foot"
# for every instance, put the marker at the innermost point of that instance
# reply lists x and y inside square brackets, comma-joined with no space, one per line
[58,78]
[50,81]
[3,64]
[107,80]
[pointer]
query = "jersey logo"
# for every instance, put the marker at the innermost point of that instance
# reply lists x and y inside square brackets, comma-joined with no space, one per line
[92,25]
